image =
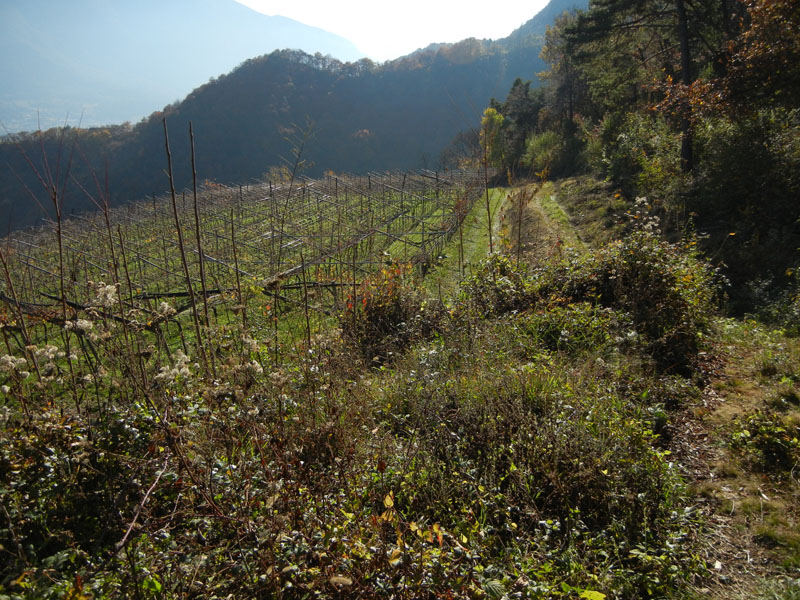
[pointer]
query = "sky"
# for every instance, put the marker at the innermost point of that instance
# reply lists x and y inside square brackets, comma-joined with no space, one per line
[384,30]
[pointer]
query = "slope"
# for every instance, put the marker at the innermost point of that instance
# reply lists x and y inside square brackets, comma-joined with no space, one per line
[119,61]
[735,437]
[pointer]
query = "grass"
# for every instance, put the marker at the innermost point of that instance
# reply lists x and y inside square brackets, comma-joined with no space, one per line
[555,214]
[597,211]
[463,253]
[785,589]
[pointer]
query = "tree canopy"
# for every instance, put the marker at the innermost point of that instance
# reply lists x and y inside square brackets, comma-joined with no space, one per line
[692,103]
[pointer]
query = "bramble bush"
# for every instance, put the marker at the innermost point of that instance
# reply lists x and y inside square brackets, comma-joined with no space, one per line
[638,153]
[387,313]
[667,289]
[497,287]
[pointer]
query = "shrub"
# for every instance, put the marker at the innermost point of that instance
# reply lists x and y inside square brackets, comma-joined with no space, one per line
[543,151]
[639,153]
[510,447]
[778,307]
[747,183]
[498,287]
[668,291]
[68,486]
[555,153]
[665,289]
[767,441]
[387,313]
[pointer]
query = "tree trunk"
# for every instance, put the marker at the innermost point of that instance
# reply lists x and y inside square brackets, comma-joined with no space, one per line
[687,158]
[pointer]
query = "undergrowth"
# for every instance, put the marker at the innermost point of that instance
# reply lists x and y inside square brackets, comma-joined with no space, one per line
[513,444]
[665,290]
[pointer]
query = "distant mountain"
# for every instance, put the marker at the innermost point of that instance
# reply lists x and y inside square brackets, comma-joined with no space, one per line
[533,31]
[118,61]
[397,115]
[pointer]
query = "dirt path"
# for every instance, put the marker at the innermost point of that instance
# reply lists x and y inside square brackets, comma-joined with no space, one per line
[542,231]
[752,512]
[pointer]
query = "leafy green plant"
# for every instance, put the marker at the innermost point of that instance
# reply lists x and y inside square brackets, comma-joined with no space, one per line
[65,485]
[783,589]
[767,441]
[638,152]
[498,286]
[386,313]
[543,151]
[555,153]
[746,184]
[778,305]
[666,288]
[578,326]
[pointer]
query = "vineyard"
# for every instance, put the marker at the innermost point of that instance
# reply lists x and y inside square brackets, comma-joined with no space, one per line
[133,329]
[261,232]
[262,391]
[268,251]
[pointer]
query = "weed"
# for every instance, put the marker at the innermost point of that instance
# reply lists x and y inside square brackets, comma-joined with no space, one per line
[767,441]
[498,287]
[579,326]
[786,396]
[386,313]
[784,589]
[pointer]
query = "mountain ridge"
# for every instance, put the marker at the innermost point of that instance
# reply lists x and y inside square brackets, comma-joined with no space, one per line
[56,69]
[399,114]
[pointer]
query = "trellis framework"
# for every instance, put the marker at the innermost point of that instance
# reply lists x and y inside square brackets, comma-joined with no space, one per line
[321,234]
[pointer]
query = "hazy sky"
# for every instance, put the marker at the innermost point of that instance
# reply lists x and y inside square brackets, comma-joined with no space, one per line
[384,30]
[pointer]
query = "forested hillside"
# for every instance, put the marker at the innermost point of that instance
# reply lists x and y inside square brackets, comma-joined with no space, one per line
[693,105]
[359,117]
[94,63]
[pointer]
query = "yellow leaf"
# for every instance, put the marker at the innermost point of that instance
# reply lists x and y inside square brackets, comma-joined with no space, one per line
[388,502]
[396,557]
